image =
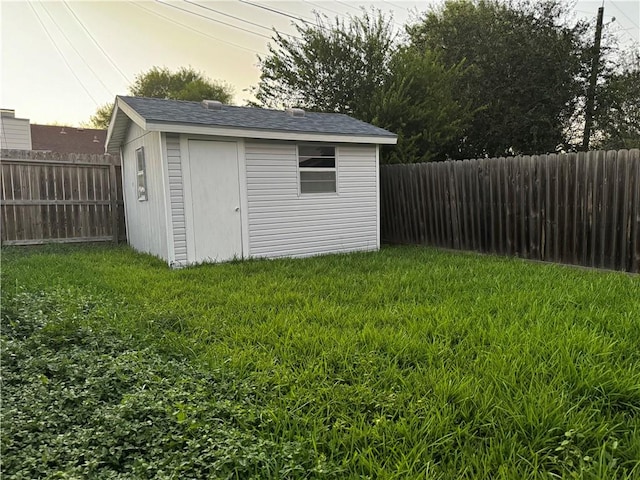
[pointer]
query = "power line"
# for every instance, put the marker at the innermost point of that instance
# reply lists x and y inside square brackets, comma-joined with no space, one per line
[349,6]
[64,59]
[323,8]
[213,19]
[360,10]
[229,15]
[96,43]
[194,29]
[397,6]
[623,13]
[626,32]
[590,12]
[76,50]
[279,12]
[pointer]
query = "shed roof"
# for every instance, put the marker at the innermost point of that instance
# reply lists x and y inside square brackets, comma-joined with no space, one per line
[192,117]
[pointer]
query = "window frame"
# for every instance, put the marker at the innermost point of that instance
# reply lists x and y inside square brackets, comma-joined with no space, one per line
[141,175]
[334,169]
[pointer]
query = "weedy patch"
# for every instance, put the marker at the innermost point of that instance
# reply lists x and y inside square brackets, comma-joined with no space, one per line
[80,402]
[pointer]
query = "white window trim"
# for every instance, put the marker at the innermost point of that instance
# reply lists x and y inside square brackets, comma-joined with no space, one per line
[317,169]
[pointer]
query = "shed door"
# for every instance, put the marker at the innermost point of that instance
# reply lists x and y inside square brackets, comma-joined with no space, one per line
[215,199]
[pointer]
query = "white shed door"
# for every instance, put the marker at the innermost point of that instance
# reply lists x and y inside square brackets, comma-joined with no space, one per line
[215,199]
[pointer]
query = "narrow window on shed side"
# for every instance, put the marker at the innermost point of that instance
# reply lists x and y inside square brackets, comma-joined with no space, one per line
[142,175]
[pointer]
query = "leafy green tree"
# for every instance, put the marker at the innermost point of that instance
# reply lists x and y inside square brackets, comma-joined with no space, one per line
[328,67]
[101,118]
[526,70]
[418,102]
[361,69]
[160,82]
[617,114]
[183,84]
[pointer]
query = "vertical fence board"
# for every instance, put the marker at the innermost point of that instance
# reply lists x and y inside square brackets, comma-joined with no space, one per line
[614,261]
[626,199]
[555,205]
[635,215]
[453,199]
[595,205]
[482,206]
[609,212]
[578,195]
[506,201]
[490,206]
[533,213]
[567,182]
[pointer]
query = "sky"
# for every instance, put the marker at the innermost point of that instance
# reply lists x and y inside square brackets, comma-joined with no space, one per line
[60,60]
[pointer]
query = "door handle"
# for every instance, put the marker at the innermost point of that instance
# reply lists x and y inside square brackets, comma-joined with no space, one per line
[237,209]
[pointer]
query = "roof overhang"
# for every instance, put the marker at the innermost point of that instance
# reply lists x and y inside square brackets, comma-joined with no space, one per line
[118,125]
[123,113]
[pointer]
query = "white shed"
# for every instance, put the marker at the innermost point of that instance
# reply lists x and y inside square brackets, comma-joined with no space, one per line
[212,182]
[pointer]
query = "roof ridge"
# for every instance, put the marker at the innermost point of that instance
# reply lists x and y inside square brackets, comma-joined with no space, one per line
[240,106]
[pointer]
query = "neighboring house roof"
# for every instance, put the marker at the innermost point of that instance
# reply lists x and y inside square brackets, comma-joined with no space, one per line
[67,139]
[193,117]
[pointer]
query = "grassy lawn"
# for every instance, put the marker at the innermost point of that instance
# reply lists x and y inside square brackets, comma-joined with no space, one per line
[406,363]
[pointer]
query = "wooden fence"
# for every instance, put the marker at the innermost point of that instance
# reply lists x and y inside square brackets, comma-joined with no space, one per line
[51,197]
[577,208]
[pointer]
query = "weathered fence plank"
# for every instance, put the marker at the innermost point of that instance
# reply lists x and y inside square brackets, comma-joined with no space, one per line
[51,197]
[634,155]
[572,208]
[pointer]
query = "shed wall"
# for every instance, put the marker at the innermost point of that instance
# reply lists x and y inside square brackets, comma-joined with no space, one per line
[15,133]
[146,220]
[284,223]
[177,196]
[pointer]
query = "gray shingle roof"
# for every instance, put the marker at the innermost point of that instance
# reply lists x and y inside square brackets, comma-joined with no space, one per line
[157,110]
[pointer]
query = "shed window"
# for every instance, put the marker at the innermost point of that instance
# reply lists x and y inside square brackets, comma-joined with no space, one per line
[142,174]
[317,165]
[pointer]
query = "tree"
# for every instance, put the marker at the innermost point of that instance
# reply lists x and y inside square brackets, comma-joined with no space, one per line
[526,70]
[183,84]
[101,118]
[617,114]
[359,68]
[160,82]
[328,67]
[418,102]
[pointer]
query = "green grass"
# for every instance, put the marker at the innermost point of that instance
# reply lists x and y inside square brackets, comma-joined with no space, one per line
[405,363]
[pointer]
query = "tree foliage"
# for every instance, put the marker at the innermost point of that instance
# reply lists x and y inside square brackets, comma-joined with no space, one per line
[183,84]
[101,118]
[328,67]
[361,69]
[617,114]
[160,82]
[526,70]
[418,102]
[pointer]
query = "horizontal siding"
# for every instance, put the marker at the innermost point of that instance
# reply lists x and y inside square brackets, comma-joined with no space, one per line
[283,223]
[15,133]
[146,221]
[176,192]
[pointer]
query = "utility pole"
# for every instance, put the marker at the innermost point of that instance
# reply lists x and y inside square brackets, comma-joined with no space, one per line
[591,93]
